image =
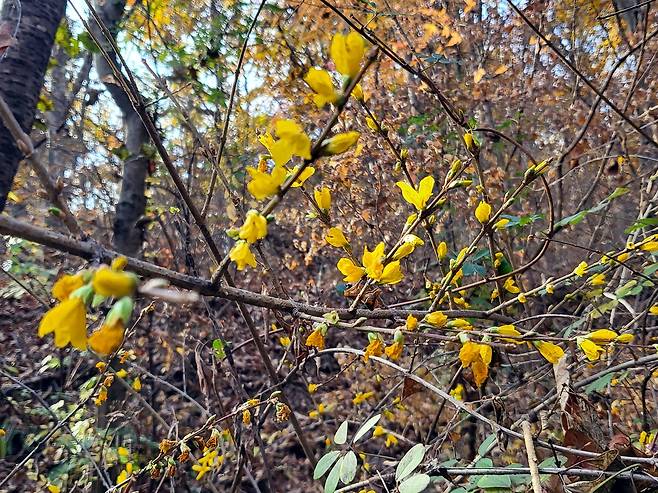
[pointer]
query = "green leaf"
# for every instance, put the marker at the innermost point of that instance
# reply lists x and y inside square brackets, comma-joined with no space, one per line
[414,484]
[599,384]
[366,427]
[325,463]
[341,434]
[218,347]
[484,446]
[410,461]
[491,481]
[641,223]
[332,480]
[348,467]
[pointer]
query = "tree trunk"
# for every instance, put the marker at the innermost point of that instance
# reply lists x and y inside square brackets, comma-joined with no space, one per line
[21,77]
[128,234]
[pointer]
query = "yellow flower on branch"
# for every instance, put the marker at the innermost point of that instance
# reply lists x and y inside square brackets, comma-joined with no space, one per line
[335,237]
[391,440]
[478,357]
[339,143]
[551,352]
[375,268]
[375,348]
[510,286]
[410,243]
[321,83]
[350,270]
[65,285]
[442,250]
[304,175]
[509,330]
[592,350]
[108,338]
[293,141]
[394,351]
[347,52]
[323,198]
[420,196]
[68,320]
[500,224]
[411,322]
[242,255]
[361,397]
[602,336]
[315,339]
[262,184]
[254,227]
[625,338]
[108,282]
[458,392]
[483,212]
[437,319]
[580,269]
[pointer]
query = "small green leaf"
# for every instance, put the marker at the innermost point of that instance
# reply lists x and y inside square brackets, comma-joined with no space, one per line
[491,481]
[332,480]
[341,434]
[348,467]
[366,427]
[414,484]
[325,463]
[599,384]
[410,461]
[218,347]
[483,449]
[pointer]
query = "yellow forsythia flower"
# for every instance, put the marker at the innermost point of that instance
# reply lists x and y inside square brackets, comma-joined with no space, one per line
[417,197]
[350,270]
[376,270]
[361,397]
[68,321]
[303,176]
[312,388]
[602,335]
[551,352]
[339,143]
[483,212]
[357,92]
[625,338]
[284,341]
[592,351]
[292,142]
[122,373]
[458,392]
[246,417]
[242,255]
[510,286]
[347,53]
[394,351]
[437,319]
[522,298]
[410,243]
[108,282]
[550,288]
[315,339]
[653,310]
[580,269]
[391,440]
[469,141]
[263,185]
[375,348]
[137,384]
[597,280]
[108,338]
[323,198]
[378,431]
[53,488]
[442,250]
[321,83]
[509,330]
[119,263]
[335,237]
[65,285]
[500,224]
[254,227]
[411,322]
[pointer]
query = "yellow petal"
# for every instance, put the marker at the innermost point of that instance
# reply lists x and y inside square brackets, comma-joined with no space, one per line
[552,352]
[592,351]
[108,282]
[483,212]
[350,270]
[602,335]
[392,274]
[305,175]
[437,319]
[242,255]
[335,237]
[340,143]
[65,285]
[68,321]
[107,339]
[347,53]
[254,227]
[321,83]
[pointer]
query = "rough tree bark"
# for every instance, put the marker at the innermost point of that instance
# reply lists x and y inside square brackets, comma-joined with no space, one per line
[21,77]
[128,234]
